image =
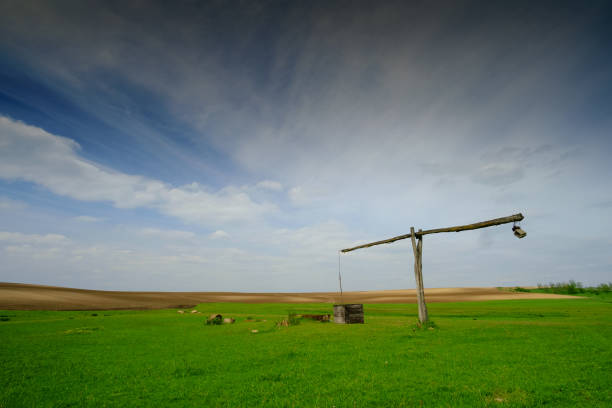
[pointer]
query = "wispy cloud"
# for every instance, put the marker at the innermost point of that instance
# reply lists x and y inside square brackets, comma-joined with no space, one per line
[270,185]
[88,218]
[32,154]
[8,204]
[37,239]
[602,204]
[499,174]
[168,234]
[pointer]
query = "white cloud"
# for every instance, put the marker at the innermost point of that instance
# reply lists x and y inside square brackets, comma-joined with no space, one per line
[32,154]
[168,234]
[8,204]
[300,196]
[310,194]
[88,218]
[37,239]
[270,185]
[109,266]
[296,195]
[219,234]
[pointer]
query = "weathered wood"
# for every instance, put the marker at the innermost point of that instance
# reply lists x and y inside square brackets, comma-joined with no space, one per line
[423,315]
[483,224]
[348,313]
[339,314]
[417,248]
[354,313]
[385,241]
[414,245]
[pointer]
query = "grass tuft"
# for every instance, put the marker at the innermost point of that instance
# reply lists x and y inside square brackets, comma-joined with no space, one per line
[294,319]
[82,330]
[428,325]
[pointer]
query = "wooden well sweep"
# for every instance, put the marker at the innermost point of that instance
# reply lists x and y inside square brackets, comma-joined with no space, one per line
[348,313]
[417,247]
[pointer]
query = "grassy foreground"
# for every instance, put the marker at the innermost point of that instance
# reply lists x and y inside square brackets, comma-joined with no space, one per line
[502,353]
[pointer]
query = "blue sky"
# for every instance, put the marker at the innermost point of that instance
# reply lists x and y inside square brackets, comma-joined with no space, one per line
[239,146]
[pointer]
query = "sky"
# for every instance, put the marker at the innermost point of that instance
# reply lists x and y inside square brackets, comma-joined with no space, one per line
[239,145]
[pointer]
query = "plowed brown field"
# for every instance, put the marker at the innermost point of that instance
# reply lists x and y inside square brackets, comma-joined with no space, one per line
[17,296]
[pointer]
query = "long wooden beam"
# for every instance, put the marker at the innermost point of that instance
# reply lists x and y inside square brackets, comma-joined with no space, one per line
[483,224]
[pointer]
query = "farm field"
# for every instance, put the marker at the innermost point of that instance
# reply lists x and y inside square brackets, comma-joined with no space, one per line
[19,296]
[554,352]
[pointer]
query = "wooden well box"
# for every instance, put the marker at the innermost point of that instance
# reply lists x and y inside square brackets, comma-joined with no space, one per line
[348,314]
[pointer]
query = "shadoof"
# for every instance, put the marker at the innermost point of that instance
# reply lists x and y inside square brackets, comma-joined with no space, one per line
[417,249]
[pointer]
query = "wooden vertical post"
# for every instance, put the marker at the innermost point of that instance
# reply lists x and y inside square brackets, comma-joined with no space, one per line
[417,248]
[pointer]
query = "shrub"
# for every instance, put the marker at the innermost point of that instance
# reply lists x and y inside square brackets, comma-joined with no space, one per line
[519,289]
[604,287]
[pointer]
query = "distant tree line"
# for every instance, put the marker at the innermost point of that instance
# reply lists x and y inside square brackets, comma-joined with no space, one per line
[574,288]
[570,288]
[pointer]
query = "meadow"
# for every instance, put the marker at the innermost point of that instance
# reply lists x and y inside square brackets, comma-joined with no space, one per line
[497,353]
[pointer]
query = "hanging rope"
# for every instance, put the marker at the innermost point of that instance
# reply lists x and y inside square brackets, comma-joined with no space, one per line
[340,276]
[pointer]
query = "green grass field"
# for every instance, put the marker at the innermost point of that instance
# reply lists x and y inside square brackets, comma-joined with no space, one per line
[503,353]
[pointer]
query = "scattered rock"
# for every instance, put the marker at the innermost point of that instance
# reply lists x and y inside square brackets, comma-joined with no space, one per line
[254,331]
[180,311]
[215,319]
[194,311]
[228,320]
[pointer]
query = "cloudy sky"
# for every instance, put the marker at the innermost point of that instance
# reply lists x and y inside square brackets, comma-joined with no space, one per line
[239,145]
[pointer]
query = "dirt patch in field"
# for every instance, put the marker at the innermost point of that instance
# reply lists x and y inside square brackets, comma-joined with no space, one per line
[17,296]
